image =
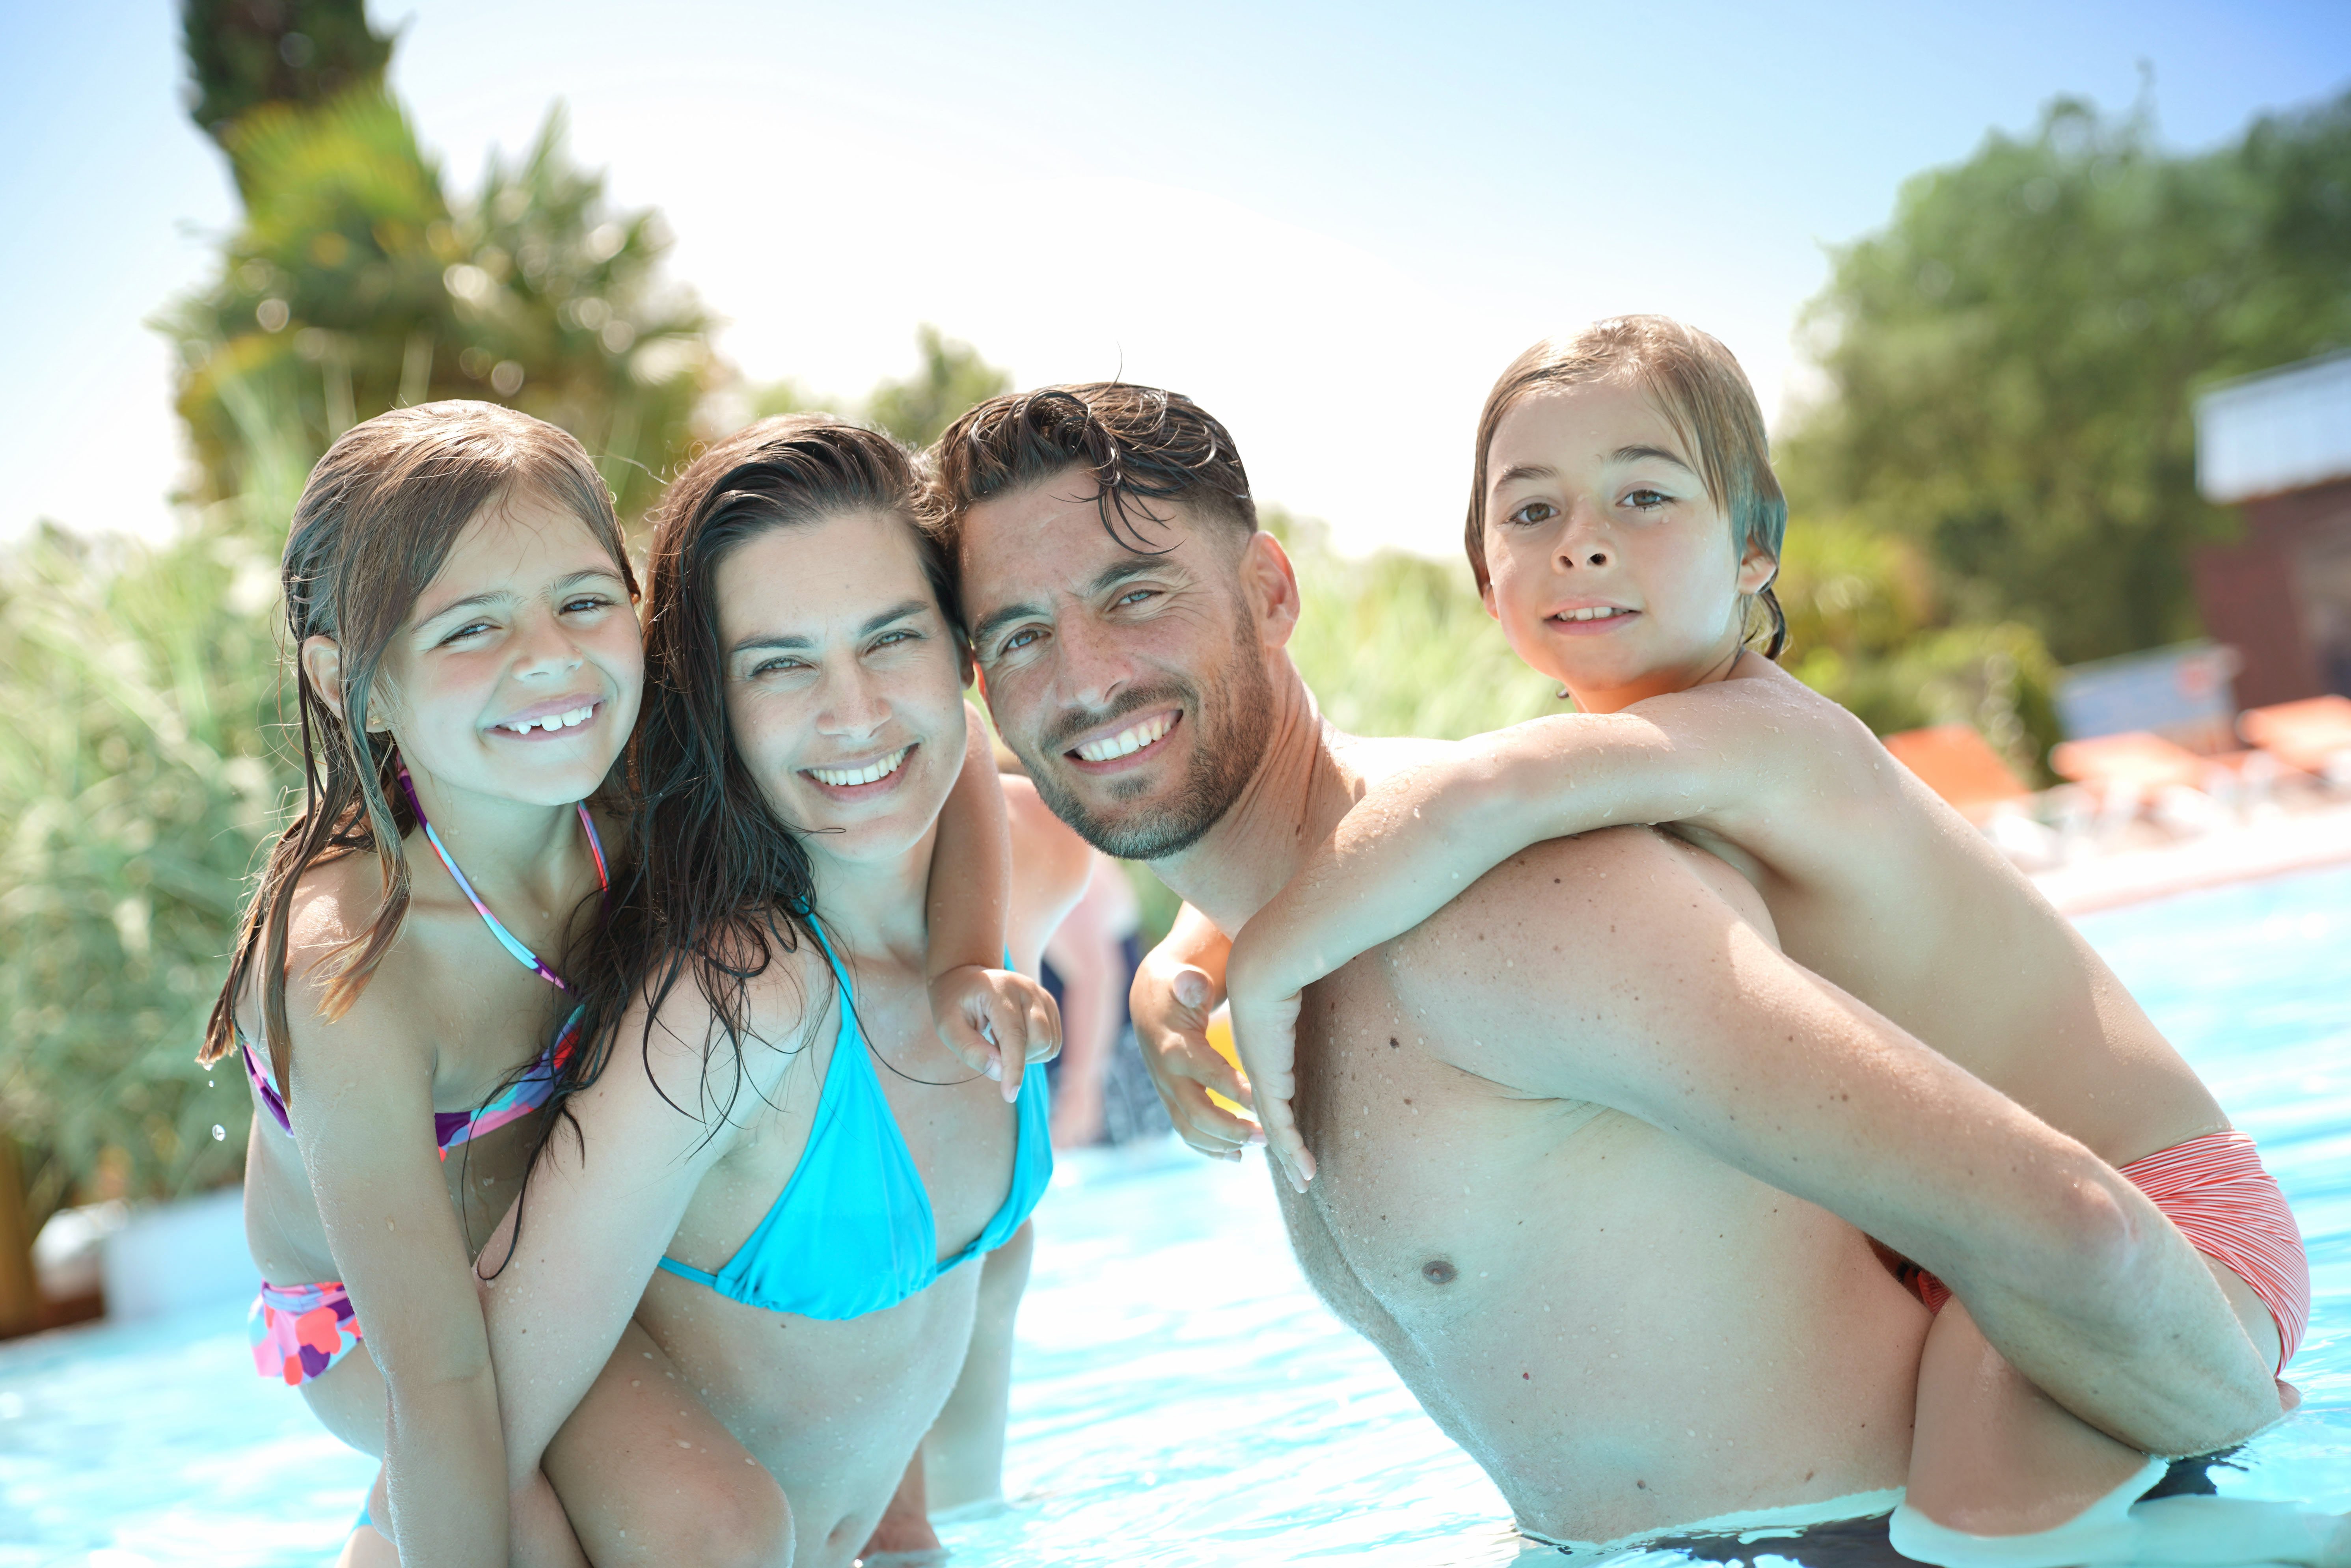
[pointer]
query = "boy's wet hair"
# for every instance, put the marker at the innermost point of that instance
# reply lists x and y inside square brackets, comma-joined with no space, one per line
[1696,384]
[1140,445]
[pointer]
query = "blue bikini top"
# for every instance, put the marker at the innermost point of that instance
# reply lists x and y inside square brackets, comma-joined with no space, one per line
[852,1232]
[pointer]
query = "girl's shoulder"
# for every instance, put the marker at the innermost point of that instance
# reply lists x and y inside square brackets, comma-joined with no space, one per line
[330,910]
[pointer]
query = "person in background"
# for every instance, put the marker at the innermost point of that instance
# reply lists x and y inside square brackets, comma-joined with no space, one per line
[1089,966]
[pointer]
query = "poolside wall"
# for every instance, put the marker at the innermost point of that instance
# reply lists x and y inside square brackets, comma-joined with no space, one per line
[183,1253]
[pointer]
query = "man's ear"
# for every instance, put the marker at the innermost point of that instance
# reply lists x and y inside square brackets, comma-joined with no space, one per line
[1757,569]
[1272,583]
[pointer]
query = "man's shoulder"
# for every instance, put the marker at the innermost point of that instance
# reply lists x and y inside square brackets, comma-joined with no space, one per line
[1589,891]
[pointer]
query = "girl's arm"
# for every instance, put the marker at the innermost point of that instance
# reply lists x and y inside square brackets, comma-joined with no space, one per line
[1177,988]
[362,1113]
[996,1021]
[1718,755]
[564,1271]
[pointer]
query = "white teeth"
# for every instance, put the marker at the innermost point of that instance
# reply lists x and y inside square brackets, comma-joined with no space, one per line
[1597,612]
[880,767]
[1126,742]
[578,716]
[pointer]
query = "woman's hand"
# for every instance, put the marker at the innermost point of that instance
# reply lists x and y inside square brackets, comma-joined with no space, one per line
[1170,1002]
[997,1021]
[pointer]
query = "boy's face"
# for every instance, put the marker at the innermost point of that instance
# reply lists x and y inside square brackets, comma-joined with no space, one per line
[1608,565]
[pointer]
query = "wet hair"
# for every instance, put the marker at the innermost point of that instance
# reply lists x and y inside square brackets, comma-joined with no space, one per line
[1138,444]
[718,886]
[1696,384]
[373,528]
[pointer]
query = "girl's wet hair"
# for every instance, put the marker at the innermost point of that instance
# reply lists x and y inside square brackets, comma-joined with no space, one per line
[371,530]
[1696,384]
[718,887]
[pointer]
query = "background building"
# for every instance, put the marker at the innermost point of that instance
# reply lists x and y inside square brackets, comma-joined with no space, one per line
[2279,445]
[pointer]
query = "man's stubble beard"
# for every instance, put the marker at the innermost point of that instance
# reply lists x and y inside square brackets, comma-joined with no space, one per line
[1236,720]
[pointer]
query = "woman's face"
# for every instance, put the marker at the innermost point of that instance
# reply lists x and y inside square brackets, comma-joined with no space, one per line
[1609,566]
[518,675]
[844,684]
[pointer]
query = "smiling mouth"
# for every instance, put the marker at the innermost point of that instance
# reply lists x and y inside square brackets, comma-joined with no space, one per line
[874,772]
[1126,742]
[1597,612]
[570,718]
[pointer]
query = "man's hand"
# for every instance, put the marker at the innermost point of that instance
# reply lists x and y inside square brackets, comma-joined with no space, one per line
[995,1022]
[1170,1004]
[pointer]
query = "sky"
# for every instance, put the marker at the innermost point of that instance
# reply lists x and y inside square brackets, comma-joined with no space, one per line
[1331,225]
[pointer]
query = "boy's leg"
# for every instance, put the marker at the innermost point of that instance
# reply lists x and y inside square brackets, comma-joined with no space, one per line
[647,1475]
[2003,1476]
[1993,1455]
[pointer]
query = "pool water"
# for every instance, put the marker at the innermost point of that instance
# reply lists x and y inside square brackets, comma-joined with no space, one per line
[1180,1398]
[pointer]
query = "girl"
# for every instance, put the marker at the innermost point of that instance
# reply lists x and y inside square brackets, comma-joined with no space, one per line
[767,1124]
[461,608]
[1624,527]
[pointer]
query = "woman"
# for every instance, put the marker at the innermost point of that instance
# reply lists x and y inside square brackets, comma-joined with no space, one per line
[770,1130]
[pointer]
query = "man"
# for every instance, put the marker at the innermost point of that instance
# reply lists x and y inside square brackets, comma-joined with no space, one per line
[1596,1163]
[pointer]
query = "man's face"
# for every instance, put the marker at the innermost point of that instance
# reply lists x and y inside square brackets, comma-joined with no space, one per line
[1134,686]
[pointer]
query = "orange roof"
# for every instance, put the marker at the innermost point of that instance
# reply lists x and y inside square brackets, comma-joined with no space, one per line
[2301,735]
[2136,757]
[1959,765]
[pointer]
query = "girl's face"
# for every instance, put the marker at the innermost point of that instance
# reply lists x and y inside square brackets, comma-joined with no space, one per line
[845,683]
[517,674]
[1609,567]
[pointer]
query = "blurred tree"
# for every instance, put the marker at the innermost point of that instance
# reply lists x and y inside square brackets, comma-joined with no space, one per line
[137,780]
[1392,643]
[2013,357]
[953,379]
[355,285]
[138,775]
[243,54]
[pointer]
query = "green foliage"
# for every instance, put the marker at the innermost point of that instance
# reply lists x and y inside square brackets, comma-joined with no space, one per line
[243,54]
[1868,628]
[137,782]
[356,285]
[1396,644]
[2013,358]
[952,381]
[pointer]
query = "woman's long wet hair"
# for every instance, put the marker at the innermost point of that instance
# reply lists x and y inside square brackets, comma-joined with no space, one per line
[719,887]
[371,531]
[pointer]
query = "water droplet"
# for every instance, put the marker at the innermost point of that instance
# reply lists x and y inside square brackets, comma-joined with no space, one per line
[219,1133]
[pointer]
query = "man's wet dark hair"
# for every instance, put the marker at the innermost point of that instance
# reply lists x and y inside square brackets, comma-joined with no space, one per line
[1142,447]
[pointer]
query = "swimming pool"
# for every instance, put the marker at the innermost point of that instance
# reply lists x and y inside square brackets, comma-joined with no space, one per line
[1180,1398]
